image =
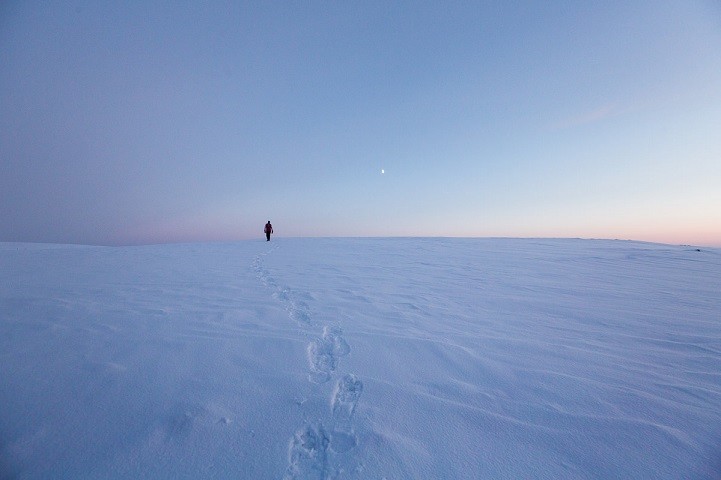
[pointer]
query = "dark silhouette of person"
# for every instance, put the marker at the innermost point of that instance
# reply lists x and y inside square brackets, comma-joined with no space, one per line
[268,230]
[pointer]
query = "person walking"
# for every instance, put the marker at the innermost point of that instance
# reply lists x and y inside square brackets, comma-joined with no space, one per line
[268,230]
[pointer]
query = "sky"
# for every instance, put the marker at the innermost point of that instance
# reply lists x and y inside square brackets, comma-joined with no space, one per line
[149,122]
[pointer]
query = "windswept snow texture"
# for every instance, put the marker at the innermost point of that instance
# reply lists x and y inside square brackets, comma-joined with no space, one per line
[361,359]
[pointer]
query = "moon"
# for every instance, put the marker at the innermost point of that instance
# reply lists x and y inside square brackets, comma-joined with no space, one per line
[383,170]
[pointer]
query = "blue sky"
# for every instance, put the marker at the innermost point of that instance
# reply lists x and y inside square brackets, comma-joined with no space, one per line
[150,122]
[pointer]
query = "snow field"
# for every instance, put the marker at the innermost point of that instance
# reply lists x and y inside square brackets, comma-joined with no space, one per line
[361,358]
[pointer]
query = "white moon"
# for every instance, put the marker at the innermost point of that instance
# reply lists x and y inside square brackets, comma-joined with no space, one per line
[383,171]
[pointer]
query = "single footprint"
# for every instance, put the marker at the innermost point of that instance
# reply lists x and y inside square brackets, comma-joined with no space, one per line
[298,312]
[307,454]
[332,335]
[283,294]
[322,361]
[345,398]
[323,354]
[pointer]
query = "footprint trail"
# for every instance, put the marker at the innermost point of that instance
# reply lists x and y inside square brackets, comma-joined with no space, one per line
[311,448]
[297,309]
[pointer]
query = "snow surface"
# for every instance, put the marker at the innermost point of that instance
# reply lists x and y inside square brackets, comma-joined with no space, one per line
[361,358]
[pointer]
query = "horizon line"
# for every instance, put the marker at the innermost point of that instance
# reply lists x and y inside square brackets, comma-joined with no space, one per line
[351,237]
